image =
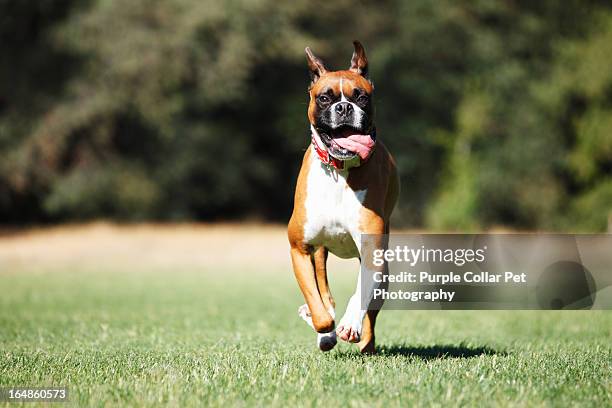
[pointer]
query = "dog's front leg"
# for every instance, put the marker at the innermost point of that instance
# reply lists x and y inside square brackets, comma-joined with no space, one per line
[325,341]
[350,327]
[304,272]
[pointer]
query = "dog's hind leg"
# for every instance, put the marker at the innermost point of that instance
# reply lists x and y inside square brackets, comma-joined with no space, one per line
[325,341]
[367,342]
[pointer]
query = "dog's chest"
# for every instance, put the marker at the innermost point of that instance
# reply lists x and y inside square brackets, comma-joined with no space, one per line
[332,211]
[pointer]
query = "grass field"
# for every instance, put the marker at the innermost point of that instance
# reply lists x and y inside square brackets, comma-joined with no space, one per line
[207,316]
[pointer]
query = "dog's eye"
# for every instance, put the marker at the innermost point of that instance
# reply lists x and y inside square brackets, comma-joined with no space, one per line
[362,99]
[324,99]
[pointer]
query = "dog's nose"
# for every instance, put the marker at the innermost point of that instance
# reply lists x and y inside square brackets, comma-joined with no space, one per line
[343,108]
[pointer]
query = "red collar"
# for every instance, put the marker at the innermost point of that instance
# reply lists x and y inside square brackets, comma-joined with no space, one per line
[324,155]
[327,158]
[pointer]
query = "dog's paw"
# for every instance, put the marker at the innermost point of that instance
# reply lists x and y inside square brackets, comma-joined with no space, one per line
[349,329]
[304,313]
[326,341]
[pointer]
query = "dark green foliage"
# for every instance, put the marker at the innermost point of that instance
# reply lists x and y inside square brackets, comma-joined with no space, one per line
[498,112]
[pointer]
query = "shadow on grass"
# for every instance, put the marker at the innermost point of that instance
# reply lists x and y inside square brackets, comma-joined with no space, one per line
[436,351]
[431,352]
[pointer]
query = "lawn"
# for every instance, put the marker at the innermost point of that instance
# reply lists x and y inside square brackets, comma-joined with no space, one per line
[195,316]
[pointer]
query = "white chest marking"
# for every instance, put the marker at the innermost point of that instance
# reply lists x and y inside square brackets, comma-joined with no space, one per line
[332,210]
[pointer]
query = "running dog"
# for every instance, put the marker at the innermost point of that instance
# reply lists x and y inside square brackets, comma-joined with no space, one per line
[347,186]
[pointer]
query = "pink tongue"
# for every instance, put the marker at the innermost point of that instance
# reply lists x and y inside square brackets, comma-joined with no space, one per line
[360,144]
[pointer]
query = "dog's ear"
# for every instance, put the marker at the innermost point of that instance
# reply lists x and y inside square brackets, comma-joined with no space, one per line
[359,62]
[316,66]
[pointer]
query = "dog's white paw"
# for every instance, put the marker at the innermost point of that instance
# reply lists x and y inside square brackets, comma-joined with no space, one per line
[349,329]
[325,341]
[304,313]
[350,326]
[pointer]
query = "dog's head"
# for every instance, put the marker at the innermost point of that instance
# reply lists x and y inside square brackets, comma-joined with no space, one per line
[340,101]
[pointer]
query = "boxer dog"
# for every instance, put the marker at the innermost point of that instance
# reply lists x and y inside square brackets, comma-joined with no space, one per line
[347,186]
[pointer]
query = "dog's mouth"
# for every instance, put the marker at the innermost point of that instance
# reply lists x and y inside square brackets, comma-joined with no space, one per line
[328,137]
[346,142]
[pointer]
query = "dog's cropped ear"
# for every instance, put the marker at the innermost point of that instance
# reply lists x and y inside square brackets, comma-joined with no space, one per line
[316,66]
[359,62]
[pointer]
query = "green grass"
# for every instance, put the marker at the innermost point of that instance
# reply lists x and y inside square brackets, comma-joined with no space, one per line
[232,337]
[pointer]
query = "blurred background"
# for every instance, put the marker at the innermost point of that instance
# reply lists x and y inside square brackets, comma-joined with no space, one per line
[499,113]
